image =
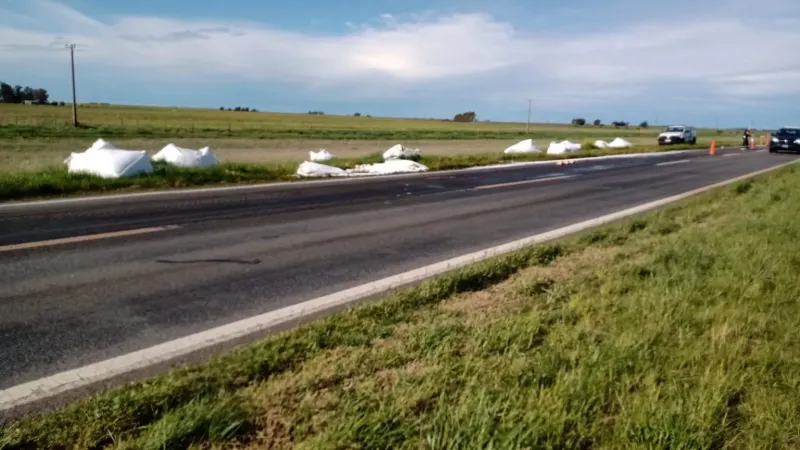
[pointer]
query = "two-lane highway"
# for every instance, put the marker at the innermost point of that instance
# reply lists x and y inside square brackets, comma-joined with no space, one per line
[203,259]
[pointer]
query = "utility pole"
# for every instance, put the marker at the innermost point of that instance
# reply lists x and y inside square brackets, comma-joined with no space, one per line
[528,123]
[71,48]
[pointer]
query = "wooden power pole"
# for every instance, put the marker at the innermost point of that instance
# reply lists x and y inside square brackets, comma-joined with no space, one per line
[528,123]
[71,48]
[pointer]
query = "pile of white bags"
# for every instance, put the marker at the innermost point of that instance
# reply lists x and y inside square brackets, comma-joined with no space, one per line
[185,157]
[400,151]
[397,159]
[526,146]
[321,155]
[560,148]
[105,160]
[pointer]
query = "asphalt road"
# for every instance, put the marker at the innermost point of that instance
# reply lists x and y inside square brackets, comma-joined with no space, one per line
[228,255]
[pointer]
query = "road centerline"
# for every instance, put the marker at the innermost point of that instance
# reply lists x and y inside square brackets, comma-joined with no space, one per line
[519,183]
[85,238]
[669,163]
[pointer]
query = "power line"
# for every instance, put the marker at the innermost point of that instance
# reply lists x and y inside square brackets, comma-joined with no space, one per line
[71,48]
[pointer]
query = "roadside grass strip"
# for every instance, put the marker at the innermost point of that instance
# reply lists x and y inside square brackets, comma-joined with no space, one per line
[57,182]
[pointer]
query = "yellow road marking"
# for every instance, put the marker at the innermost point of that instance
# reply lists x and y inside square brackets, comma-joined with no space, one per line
[86,238]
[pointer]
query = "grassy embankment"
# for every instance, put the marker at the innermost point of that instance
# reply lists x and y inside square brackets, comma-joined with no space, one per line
[256,147]
[54,182]
[677,329]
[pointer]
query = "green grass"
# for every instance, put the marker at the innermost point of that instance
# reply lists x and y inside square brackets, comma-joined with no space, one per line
[56,182]
[677,329]
[213,420]
[114,122]
[192,131]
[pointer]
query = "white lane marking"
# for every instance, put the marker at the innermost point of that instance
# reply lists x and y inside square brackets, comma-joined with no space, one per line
[731,154]
[254,187]
[669,163]
[85,238]
[91,374]
[518,183]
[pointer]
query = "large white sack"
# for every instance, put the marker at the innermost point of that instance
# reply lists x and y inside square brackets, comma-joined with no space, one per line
[559,148]
[102,144]
[571,147]
[619,143]
[526,146]
[390,167]
[110,163]
[186,157]
[313,169]
[400,151]
[97,145]
[321,155]
[600,144]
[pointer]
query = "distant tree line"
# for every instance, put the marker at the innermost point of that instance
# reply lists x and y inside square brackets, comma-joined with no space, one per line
[19,94]
[238,108]
[580,121]
[468,116]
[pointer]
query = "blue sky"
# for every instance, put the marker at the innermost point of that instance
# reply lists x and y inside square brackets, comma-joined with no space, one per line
[715,62]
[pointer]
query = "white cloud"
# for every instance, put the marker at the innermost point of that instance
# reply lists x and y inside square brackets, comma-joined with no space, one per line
[473,53]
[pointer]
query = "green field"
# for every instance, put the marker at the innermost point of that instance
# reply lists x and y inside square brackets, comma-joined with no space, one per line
[677,329]
[187,120]
[160,122]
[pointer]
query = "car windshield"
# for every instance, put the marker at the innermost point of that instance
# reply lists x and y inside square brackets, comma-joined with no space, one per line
[789,132]
[673,129]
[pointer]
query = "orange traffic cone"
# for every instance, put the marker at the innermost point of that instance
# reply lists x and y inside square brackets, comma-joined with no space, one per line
[712,151]
[752,144]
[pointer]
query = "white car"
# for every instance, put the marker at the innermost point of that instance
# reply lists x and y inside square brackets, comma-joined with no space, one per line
[678,134]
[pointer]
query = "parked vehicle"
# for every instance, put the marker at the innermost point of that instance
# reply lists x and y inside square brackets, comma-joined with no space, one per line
[786,139]
[678,134]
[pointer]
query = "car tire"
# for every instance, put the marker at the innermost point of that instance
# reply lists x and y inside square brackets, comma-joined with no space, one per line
[693,141]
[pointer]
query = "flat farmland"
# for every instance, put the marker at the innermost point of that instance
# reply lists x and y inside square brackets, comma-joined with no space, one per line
[134,117]
[36,137]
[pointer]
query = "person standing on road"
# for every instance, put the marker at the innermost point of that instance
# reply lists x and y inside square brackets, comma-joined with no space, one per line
[746,137]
